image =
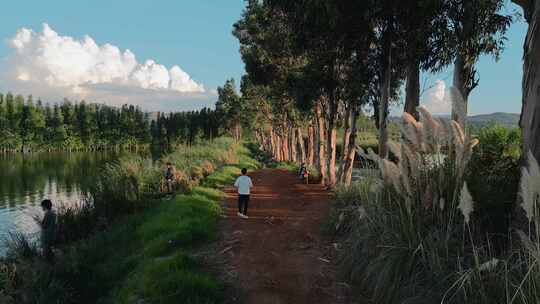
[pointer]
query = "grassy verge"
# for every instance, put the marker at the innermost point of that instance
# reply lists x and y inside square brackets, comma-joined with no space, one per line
[167,273]
[143,257]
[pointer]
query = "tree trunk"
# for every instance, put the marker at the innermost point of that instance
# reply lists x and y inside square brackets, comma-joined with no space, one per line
[277,141]
[460,83]
[385,93]
[265,141]
[285,144]
[272,142]
[284,149]
[321,160]
[300,143]
[332,139]
[530,111]
[346,132]
[345,146]
[331,143]
[292,144]
[412,90]
[351,151]
[310,145]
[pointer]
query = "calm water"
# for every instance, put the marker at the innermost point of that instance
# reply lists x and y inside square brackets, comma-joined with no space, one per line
[25,181]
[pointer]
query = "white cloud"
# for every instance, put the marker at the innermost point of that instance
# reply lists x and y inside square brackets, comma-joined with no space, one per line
[50,65]
[435,100]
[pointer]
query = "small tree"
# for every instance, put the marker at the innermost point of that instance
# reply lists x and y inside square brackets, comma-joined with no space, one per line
[230,108]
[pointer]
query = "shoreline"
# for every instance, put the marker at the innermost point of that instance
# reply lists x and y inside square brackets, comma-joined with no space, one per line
[154,245]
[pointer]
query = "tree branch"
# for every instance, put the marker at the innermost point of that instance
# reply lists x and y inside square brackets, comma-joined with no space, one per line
[526,6]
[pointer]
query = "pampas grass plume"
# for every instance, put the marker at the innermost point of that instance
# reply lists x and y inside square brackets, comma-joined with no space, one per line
[466,203]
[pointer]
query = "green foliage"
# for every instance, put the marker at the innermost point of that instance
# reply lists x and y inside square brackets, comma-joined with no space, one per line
[494,175]
[69,126]
[81,126]
[231,109]
[187,128]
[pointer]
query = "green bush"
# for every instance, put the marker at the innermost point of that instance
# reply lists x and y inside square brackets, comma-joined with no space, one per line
[493,176]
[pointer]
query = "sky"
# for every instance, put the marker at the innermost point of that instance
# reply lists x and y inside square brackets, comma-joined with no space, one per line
[171,55]
[194,35]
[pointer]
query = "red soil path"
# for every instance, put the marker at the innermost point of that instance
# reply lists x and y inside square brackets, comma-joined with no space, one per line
[279,255]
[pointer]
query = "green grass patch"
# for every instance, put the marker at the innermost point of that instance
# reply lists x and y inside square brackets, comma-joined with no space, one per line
[166,273]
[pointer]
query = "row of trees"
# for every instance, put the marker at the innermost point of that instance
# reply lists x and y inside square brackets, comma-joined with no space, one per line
[312,65]
[185,127]
[26,125]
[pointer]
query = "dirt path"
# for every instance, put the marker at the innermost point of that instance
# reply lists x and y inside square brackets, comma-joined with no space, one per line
[278,255]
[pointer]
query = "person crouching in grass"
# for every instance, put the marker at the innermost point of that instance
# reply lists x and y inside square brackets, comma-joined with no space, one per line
[243,184]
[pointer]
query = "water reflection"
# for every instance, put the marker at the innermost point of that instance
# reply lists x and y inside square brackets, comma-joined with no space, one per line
[25,180]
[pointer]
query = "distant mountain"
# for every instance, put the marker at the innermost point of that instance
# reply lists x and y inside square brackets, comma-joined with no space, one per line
[505,119]
[510,120]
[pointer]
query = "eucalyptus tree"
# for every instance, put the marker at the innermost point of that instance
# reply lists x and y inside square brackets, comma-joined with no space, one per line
[265,38]
[388,61]
[421,27]
[530,110]
[333,36]
[474,28]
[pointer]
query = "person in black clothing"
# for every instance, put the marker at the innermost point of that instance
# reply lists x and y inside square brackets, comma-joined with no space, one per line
[169,177]
[48,230]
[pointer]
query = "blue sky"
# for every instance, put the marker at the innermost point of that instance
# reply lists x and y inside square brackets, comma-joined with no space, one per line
[196,36]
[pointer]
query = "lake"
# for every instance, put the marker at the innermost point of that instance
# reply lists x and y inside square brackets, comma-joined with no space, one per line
[25,180]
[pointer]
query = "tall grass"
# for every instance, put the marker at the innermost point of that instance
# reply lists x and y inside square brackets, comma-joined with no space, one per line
[418,241]
[132,181]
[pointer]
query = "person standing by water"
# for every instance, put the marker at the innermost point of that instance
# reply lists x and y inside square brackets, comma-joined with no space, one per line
[169,177]
[243,184]
[48,229]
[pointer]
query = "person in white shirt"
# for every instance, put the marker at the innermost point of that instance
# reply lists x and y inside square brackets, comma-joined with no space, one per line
[243,184]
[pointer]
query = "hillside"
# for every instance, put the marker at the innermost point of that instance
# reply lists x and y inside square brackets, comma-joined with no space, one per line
[506,119]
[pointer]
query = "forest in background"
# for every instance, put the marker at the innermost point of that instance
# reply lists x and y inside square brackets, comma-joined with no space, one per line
[28,125]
